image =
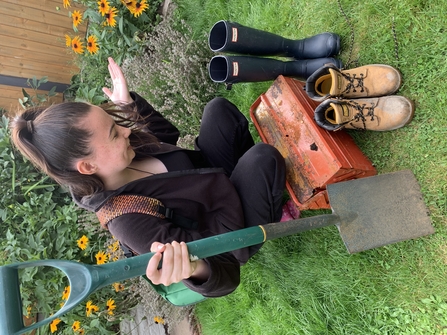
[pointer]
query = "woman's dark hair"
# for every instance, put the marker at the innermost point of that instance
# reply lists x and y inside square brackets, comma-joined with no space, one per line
[52,139]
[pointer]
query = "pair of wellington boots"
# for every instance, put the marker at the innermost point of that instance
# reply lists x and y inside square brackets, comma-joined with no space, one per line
[229,37]
[359,98]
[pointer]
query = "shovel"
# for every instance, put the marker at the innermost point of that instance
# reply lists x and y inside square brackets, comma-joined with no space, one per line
[369,213]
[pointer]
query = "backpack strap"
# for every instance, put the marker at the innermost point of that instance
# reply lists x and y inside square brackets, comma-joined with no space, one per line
[139,204]
[128,204]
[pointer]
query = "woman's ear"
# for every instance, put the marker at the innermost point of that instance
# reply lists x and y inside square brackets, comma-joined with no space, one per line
[85,167]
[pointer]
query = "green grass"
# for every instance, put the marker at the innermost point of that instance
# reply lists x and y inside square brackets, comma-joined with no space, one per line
[308,283]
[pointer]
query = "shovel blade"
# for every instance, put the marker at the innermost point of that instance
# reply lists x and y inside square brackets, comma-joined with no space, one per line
[379,210]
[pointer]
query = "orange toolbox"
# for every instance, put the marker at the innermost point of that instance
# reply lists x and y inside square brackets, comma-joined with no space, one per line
[315,157]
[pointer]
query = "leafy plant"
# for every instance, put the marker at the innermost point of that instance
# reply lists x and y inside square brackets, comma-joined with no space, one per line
[115,28]
[171,73]
[40,221]
[37,98]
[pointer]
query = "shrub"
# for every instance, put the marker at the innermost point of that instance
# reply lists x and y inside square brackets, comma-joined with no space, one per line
[40,221]
[114,28]
[171,73]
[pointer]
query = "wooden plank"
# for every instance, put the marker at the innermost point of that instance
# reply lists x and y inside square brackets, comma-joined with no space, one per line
[11,16]
[52,32]
[48,5]
[61,59]
[31,47]
[21,35]
[19,10]
[57,73]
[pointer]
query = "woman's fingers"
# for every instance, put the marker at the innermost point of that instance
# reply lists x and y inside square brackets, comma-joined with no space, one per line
[176,264]
[119,93]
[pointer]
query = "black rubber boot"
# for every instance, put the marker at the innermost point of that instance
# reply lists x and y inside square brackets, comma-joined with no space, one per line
[236,69]
[232,37]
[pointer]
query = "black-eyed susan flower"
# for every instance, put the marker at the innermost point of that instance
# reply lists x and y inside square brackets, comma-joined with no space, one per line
[118,287]
[66,3]
[78,47]
[114,246]
[110,16]
[53,325]
[103,7]
[66,293]
[81,331]
[90,308]
[76,326]
[67,40]
[110,306]
[101,257]
[77,18]
[92,45]
[159,320]
[130,5]
[140,7]
[83,241]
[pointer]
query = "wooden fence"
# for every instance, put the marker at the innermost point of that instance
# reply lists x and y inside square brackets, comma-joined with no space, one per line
[32,43]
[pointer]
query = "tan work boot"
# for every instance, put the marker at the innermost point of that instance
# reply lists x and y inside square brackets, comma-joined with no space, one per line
[367,81]
[379,114]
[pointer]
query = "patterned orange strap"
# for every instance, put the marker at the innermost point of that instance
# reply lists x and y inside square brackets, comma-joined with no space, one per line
[129,204]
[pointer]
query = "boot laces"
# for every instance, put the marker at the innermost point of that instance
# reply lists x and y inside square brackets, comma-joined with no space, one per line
[354,82]
[363,112]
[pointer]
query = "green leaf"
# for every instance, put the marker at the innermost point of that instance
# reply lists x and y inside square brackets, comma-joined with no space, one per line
[121,25]
[25,94]
[42,80]
[52,92]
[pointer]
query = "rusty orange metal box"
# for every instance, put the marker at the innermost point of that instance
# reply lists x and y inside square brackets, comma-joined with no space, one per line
[315,157]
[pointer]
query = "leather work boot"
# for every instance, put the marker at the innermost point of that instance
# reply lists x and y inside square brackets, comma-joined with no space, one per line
[367,81]
[379,114]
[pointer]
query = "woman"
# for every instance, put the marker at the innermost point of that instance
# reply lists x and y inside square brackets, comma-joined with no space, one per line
[228,183]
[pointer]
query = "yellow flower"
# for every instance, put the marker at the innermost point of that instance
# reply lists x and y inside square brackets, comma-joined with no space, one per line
[76,326]
[101,257]
[103,7]
[130,5]
[159,320]
[83,241]
[118,287]
[76,46]
[114,246]
[81,331]
[140,7]
[110,306]
[90,308]
[53,325]
[66,293]
[110,16]
[67,40]
[66,3]
[28,310]
[92,45]
[77,18]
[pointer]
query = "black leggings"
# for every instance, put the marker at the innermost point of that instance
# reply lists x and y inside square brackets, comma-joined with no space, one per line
[257,171]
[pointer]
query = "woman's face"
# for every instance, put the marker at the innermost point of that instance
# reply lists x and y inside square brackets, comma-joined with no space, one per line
[111,150]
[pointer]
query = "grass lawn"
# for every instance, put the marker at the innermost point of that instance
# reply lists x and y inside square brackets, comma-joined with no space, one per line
[308,283]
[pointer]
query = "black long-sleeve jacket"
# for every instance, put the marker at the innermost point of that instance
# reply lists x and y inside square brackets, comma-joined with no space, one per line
[205,195]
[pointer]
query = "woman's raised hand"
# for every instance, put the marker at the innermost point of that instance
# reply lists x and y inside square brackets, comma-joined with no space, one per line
[176,264]
[120,92]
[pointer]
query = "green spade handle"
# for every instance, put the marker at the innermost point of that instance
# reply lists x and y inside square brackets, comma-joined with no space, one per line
[85,279]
